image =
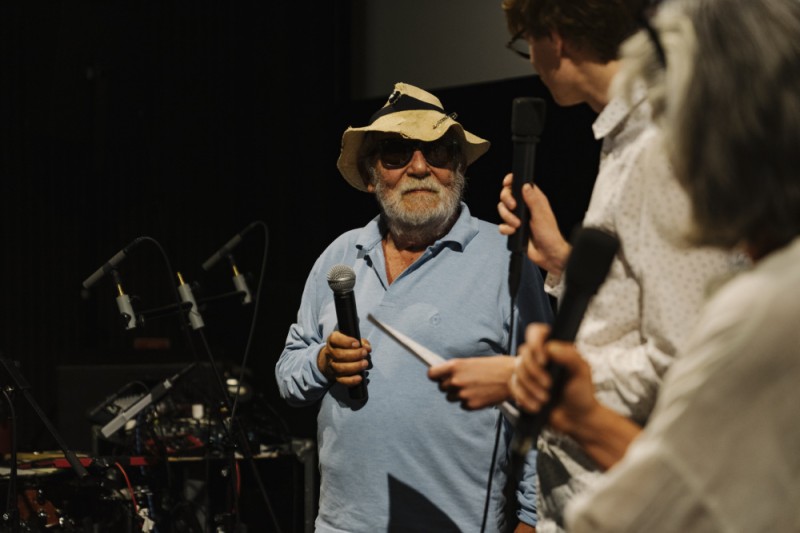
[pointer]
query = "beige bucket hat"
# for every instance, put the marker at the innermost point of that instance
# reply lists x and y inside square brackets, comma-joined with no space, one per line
[414,114]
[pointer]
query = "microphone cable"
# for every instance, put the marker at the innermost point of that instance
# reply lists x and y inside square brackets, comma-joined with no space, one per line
[498,433]
[256,306]
[242,370]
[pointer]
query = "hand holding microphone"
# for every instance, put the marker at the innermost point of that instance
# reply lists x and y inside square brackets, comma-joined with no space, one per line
[587,268]
[343,356]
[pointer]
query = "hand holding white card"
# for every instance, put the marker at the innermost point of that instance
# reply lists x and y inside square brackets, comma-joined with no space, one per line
[430,359]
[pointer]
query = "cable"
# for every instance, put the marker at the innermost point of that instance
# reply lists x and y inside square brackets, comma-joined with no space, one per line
[512,472]
[11,500]
[256,305]
[235,425]
[508,493]
[130,488]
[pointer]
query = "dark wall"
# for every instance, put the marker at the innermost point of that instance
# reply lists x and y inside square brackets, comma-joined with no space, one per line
[185,122]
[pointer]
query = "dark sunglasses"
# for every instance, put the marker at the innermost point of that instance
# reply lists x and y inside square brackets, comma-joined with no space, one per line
[396,153]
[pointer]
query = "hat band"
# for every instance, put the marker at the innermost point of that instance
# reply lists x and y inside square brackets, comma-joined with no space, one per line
[403,102]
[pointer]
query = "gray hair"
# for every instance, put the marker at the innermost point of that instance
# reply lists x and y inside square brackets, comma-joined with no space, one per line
[729,103]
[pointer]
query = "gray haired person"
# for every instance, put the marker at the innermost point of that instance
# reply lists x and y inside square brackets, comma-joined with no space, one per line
[720,450]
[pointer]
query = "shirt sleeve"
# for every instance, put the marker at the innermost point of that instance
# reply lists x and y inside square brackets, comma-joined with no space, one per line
[657,287]
[533,306]
[526,491]
[300,382]
[644,492]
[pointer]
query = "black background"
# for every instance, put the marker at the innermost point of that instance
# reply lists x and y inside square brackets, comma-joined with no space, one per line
[185,122]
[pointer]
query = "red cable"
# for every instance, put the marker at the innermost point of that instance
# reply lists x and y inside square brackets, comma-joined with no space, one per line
[130,487]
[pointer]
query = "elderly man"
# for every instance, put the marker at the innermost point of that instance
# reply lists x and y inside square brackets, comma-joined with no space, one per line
[404,459]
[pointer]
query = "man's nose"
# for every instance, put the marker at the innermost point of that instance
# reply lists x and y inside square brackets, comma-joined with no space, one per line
[418,166]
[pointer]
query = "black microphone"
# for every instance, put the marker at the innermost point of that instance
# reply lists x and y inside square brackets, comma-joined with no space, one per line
[527,123]
[586,269]
[111,264]
[341,280]
[226,248]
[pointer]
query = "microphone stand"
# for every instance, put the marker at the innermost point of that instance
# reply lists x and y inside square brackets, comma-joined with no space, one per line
[23,387]
[20,384]
[12,512]
[226,251]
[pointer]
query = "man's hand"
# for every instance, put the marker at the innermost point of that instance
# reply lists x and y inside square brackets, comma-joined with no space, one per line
[531,384]
[475,382]
[522,527]
[602,433]
[546,247]
[343,360]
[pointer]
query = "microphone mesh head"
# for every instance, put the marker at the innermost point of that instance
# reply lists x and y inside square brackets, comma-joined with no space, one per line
[341,278]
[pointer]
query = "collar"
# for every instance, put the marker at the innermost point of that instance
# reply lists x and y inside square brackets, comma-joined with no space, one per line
[459,236]
[617,111]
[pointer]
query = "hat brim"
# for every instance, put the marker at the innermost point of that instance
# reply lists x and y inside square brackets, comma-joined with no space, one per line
[423,125]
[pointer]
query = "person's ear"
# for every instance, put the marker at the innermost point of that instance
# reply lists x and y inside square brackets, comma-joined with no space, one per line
[557,43]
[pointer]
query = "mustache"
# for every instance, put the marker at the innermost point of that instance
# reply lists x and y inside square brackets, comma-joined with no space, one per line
[427,184]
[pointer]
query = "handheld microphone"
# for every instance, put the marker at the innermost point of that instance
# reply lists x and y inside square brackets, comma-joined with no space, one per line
[586,269]
[110,264]
[527,123]
[226,248]
[341,280]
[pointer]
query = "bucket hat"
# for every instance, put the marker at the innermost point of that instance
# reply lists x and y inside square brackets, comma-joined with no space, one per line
[414,114]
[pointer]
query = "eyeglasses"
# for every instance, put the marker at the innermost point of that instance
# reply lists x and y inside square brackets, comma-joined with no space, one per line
[519,45]
[396,153]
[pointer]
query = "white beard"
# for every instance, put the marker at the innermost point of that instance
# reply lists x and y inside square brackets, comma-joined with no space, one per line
[425,219]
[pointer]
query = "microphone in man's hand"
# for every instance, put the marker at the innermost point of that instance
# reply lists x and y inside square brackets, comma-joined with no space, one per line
[342,279]
[527,123]
[587,267]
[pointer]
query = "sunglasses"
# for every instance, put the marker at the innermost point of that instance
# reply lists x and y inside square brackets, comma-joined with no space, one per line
[396,153]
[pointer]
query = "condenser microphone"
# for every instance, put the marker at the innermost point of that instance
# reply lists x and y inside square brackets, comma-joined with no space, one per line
[187,297]
[527,123]
[111,264]
[586,269]
[341,280]
[155,394]
[124,303]
[226,248]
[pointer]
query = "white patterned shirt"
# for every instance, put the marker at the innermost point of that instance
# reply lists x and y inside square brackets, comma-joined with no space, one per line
[721,450]
[650,300]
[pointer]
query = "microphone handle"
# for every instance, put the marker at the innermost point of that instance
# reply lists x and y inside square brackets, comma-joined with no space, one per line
[565,328]
[347,315]
[522,169]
